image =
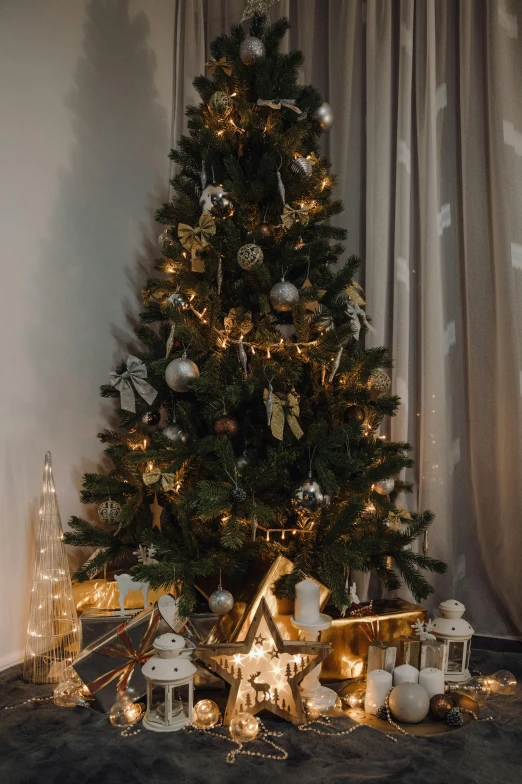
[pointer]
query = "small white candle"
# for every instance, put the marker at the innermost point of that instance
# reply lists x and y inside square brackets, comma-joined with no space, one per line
[378,684]
[307,602]
[432,680]
[405,673]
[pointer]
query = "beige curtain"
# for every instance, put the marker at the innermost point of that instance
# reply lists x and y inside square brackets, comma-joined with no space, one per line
[427,149]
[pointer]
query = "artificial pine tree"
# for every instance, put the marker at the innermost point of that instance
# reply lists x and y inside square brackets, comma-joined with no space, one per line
[256,405]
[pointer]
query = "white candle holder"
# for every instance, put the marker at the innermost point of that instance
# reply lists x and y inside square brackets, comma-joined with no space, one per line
[321,697]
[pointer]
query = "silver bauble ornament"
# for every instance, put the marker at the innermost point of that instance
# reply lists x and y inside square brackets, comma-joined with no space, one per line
[379,381]
[221,103]
[109,511]
[251,49]
[178,299]
[151,418]
[215,199]
[283,296]
[310,496]
[384,486]
[165,240]
[221,601]
[241,463]
[302,166]
[324,114]
[180,372]
[249,256]
[409,703]
[175,433]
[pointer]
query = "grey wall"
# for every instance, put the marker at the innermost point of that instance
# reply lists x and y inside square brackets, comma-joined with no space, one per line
[85,103]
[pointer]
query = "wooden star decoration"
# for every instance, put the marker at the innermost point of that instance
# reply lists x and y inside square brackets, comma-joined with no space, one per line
[156,510]
[257,680]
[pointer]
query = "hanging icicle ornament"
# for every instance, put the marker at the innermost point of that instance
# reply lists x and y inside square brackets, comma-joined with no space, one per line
[203,175]
[219,276]
[269,403]
[335,365]
[281,187]
[242,355]
[170,340]
[254,526]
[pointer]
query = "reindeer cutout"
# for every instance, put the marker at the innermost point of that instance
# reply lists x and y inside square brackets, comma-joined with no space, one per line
[264,688]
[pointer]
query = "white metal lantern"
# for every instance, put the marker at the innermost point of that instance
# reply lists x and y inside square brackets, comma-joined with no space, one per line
[169,668]
[456,634]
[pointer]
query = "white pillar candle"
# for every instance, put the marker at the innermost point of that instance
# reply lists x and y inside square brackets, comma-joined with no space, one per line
[307,602]
[432,680]
[405,673]
[378,684]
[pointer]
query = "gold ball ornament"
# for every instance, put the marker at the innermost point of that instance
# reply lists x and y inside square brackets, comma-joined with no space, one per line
[226,426]
[379,381]
[221,103]
[206,714]
[244,727]
[109,511]
[251,49]
[440,706]
[249,256]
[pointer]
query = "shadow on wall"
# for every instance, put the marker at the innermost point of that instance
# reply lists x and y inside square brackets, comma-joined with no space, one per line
[102,235]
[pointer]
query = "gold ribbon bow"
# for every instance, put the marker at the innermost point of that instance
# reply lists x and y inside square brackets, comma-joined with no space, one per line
[284,407]
[221,63]
[168,481]
[291,215]
[123,648]
[195,238]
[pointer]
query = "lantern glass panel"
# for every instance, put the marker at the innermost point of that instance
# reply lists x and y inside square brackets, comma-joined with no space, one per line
[163,705]
[456,657]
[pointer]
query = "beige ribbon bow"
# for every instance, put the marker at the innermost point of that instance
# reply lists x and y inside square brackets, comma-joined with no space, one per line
[168,481]
[278,103]
[221,63]
[195,238]
[284,407]
[291,215]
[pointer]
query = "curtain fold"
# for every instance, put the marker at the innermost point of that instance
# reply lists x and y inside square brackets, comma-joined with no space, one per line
[427,152]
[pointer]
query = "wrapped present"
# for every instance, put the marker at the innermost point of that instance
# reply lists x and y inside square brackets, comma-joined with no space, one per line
[432,654]
[382,656]
[114,662]
[98,623]
[103,595]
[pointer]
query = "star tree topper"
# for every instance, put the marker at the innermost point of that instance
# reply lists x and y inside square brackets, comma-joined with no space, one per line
[264,671]
[256,6]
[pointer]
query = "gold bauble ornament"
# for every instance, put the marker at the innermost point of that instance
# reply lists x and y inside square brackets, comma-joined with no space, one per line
[206,714]
[440,706]
[379,381]
[244,727]
[249,256]
[221,103]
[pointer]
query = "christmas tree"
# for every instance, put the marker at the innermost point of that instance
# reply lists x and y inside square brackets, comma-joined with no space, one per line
[251,414]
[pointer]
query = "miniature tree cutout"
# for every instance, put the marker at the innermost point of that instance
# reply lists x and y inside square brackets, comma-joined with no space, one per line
[52,632]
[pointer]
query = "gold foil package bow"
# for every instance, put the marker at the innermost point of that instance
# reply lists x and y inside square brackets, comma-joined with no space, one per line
[168,481]
[291,215]
[279,103]
[223,63]
[195,238]
[133,379]
[284,408]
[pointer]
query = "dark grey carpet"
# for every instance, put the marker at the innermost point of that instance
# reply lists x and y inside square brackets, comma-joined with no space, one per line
[42,744]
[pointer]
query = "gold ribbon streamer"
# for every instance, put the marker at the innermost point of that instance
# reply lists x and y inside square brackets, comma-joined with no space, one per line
[221,63]
[124,648]
[168,481]
[291,215]
[284,407]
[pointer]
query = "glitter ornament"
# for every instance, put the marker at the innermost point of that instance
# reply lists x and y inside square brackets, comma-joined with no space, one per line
[302,166]
[109,511]
[384,486]
[310,496]
[151,418]
[216,200]
[180,372]
[165,240]
[454,718]
[244,727]
[379,381]
[265,231]
[251,49]
[220,601]
[354,414]
[226,426]
[175,433]
[249,256]
[206,714]
[283,296]
[221,104]
[440,705]
[324,114]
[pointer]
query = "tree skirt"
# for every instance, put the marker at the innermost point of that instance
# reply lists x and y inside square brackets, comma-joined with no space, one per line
[42,744]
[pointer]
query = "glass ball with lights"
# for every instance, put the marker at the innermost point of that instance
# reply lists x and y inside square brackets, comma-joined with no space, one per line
[169,669]
[206,714]
[456,634]
[125,712]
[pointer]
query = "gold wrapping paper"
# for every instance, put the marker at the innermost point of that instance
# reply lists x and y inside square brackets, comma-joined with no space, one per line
[103,595]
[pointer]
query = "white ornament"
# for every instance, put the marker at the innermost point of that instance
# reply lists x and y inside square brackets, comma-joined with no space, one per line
[423,630]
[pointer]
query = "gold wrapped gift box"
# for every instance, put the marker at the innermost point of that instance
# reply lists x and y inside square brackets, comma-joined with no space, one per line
[103,595]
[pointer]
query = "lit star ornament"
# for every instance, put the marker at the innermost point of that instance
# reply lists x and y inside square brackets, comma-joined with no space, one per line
[259,681]
[257,7]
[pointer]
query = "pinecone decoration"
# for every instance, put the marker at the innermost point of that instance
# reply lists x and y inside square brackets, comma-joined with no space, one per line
[239,495]
[454,718]
[382,713]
